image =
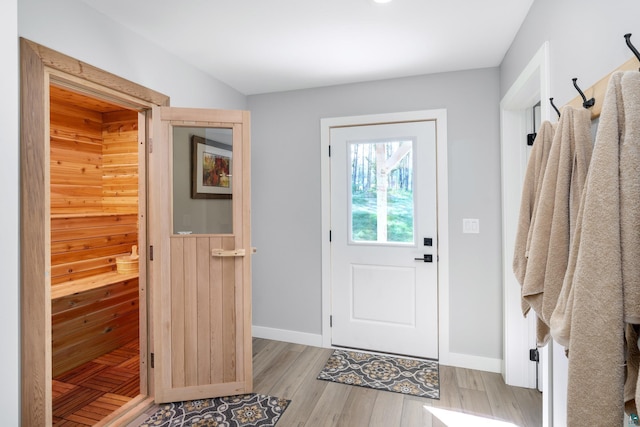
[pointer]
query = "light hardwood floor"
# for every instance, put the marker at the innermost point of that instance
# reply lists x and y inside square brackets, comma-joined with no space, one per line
[290,370]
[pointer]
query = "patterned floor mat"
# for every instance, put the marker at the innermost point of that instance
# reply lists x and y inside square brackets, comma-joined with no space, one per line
[234,411]
[396,374]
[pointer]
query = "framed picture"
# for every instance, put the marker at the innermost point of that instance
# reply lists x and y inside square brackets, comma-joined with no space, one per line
[211,164]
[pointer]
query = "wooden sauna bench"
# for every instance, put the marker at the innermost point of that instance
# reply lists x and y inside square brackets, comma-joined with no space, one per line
[94,309]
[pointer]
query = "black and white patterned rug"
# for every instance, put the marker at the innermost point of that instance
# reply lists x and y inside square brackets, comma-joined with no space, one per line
[234,411]
[401,375]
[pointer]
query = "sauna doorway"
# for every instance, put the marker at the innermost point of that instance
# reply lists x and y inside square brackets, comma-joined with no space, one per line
[167,310]
[96,225]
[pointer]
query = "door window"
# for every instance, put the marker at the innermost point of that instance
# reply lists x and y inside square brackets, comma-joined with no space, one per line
[381,200]
[202,180]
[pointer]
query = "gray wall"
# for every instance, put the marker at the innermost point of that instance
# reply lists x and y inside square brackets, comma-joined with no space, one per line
[585,41]
[9,238]
[286,198]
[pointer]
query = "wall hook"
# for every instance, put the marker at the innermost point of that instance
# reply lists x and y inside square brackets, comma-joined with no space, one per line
[554,106]
[627,39]
[586,103]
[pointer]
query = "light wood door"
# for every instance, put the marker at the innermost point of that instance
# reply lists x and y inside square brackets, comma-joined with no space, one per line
[384,267]
[201,266]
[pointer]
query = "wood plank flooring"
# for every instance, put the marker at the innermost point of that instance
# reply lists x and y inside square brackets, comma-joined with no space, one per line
[90,392]
[290,370]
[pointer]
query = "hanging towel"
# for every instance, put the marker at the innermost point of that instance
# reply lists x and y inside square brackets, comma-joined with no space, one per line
[590,314]
[530,194]
[556,214]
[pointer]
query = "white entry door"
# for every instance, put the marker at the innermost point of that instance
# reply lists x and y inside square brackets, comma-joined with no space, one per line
[384,269]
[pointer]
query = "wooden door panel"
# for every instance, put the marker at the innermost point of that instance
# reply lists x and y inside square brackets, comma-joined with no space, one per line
[204,321]
[203,311]
[202,307]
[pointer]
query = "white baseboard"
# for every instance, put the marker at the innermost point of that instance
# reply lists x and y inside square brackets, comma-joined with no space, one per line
[452,359]
[295,337]
[468,361]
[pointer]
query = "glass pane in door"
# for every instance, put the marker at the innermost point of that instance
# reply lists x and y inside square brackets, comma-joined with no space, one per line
[202,180]
[381,198]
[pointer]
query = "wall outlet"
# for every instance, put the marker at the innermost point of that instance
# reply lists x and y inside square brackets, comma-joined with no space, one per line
[471,225]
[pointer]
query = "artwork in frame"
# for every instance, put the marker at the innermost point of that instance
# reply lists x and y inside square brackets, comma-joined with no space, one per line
[211,164]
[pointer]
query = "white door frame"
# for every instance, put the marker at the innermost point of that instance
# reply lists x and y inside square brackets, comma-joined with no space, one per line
[519,333]
[440,116]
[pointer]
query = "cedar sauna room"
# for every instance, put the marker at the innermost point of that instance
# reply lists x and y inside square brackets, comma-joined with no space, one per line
[95,312]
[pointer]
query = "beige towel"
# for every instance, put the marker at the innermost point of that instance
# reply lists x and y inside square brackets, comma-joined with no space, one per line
[556,214]
[530,194]
[630,195]
[630,229]
[590,311]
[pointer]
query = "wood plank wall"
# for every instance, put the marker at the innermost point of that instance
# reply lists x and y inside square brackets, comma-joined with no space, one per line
[94,219]
[94,172]
[87,325]
[76,157]
[88,245]
[120,162]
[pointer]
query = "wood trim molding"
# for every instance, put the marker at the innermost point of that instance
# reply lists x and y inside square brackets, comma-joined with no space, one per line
[61,62]
[35,261]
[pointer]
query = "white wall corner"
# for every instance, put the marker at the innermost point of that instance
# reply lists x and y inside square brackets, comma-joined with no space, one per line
[531,86]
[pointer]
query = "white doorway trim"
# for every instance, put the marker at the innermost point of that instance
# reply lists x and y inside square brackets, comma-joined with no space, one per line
[440,116]
[532,85]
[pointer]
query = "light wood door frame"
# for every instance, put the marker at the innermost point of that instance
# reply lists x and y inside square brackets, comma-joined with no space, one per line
[37,65]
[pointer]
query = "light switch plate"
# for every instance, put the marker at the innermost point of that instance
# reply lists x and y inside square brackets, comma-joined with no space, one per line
[471,225]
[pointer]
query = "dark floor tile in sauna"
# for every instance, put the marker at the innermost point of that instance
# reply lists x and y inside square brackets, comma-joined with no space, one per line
[81,373]
[68,423]
[110,379]
[116,357]
[90,392]
[98,409]
[74,400]
[132,364]
[133,345]
[130,389]
[59,388]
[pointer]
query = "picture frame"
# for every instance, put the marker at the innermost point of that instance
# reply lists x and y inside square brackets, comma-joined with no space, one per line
[211,166]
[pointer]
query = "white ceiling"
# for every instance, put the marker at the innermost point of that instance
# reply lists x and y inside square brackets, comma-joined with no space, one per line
[260,46]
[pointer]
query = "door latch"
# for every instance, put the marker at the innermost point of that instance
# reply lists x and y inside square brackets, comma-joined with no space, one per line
[425,258]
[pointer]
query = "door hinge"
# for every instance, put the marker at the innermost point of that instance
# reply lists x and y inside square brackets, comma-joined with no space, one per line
[329,151]
[331,321]
[534,355]
[151,253]
[152,360]
[150,145]
[329,235]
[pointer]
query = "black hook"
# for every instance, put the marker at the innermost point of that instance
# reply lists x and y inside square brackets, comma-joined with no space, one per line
[627,39]
[554,107]
[586,103]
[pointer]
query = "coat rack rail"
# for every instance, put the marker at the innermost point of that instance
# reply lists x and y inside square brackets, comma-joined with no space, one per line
[598,90]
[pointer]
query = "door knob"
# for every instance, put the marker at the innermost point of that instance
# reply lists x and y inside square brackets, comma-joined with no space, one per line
[425,258]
